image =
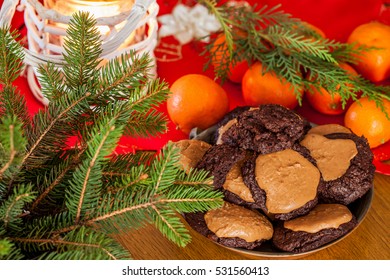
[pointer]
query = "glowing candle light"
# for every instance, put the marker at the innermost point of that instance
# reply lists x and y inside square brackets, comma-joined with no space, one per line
[104,9]
[124,25]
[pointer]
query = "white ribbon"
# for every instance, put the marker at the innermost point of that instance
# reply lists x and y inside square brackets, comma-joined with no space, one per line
[186,23]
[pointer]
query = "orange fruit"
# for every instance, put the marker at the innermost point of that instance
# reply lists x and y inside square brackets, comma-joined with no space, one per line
[219,48]
[267,88]
[325,103]
[374,64]
[196,101]
[365,118]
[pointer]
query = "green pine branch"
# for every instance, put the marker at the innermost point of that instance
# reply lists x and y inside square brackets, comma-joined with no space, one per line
[223,17]
[63,190]
[11,208]
[11,56]
[286,46]
[154,121]
[133,177]
[103,139]
[83,49]
[12,145]
[51,80]
[119,78]
[55,125]
[121,164]
[8,250]
[169,224]
[165,168]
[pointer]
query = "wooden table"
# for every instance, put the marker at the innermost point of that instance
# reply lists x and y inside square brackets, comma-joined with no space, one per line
[370,241]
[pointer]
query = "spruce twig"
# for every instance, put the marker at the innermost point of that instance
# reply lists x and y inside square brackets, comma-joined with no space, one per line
[62,201]
[286,46]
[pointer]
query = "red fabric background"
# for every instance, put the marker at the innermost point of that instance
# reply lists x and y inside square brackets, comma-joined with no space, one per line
[337,18]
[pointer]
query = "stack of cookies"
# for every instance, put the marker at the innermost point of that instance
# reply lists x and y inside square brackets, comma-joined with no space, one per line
[285,183]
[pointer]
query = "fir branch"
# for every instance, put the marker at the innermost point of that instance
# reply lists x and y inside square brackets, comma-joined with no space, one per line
[136,176]
[194,177]
[52,180]
[11,63]
[121,76]
[52,126]
[128,208]
[60,194]
[52,81]
[281,43]
[87,243]
[12,207]
[49,225]
[148,124]
[120,164]
[165,168]
[12,103]
[278,63]
[113,213]
[168,223]
[265,16]
[8,250]
[11,56]
[223,17]
[145,98]
[12,151]
[97,244]
[84,192]
[12,143]
[293,41]
[184,199]
[82,47]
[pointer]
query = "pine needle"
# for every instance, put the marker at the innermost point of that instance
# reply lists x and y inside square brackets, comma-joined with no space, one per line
[62,199]
[286,46]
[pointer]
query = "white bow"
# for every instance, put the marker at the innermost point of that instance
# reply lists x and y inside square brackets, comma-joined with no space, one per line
[186,23]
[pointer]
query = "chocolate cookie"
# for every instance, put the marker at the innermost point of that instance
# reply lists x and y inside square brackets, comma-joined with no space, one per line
[228,120]
[345,162]
[284,184]
[219,160]
[234,188]
[325,223]
[191,152]
[325,129]
[232,226]
[268,129]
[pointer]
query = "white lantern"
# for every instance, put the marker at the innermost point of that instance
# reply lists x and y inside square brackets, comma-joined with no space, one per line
[124,25]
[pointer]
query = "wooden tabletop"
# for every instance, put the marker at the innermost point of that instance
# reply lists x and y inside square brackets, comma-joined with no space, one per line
[369,241]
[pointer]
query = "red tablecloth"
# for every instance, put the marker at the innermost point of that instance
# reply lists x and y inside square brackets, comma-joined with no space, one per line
[337,18]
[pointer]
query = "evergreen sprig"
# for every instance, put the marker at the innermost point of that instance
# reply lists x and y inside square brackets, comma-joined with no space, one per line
[63,190]
[288,47]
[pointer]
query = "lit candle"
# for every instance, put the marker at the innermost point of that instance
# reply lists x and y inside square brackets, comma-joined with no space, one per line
[124,25]
[104,9]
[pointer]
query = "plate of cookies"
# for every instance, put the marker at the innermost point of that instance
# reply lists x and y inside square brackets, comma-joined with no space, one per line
[290,188]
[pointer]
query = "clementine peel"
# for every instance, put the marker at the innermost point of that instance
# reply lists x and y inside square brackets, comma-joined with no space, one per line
[267,88]
[196,101]
[373,64]
[365,118]
[325,102]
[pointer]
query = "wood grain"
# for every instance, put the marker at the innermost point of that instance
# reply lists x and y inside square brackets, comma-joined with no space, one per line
[370,241]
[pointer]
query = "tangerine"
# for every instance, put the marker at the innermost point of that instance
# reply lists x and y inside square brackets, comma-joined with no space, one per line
[373,64]
[196,101]
[365,118]
[325,102]
[267,88]
[219,50]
